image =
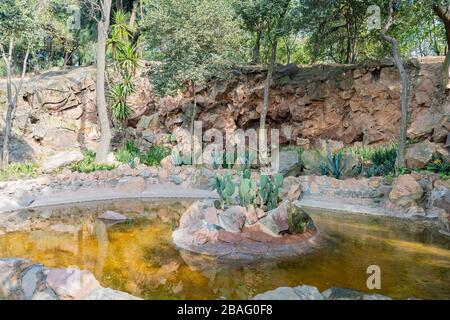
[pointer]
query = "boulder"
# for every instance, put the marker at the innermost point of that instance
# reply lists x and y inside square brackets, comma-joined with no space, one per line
[291,189]
[286,293]
[232,219]
[349,294]
[311,160]
[289,163]
[109,294]
[72,283]
[419,155]
[405,187]
[112,216]
[443,202]
[61,159]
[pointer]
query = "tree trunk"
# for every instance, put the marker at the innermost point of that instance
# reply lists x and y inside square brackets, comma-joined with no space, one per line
[443,12]
[105,137]
[12,101]
[257,48]
[400,162]
[194,109]
[265,107]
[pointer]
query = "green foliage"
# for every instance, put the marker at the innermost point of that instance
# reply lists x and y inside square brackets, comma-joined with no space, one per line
[440,166]
[193,40]
[130,151]
[154,156]
[247,192]
[88,164]
[269,190]
[19,170]
[377,160]
[333,165]
[118,94]
[297,223]
[126,60]
[224,187]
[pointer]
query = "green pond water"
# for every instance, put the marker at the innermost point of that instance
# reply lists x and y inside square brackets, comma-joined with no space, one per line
[138,257]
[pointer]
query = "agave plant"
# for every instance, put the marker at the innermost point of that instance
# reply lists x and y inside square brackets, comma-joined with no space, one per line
[333,164]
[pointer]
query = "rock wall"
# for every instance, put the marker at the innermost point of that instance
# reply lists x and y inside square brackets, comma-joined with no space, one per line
[348,103]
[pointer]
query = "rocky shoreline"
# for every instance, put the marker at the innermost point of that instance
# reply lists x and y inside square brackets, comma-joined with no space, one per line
[409,196]
[21,279]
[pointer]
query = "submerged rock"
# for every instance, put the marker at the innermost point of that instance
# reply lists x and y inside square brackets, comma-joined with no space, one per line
[349,294]
[20,279]
[305,292]
[112,216]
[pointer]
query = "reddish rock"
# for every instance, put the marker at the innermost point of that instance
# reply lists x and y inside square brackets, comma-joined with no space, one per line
[406,187]
[229,237]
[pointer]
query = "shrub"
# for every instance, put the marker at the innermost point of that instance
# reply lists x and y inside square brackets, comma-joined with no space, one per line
[378,160]
[440,166]
[154,156]
[88,164]
[333,165]
[127,153]
[19,170]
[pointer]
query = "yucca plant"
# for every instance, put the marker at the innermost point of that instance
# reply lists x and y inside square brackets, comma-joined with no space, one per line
[120,109]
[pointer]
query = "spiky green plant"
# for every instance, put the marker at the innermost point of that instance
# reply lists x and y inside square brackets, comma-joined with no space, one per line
[333,165]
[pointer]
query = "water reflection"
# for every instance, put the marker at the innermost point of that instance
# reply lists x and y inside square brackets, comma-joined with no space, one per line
[138,256]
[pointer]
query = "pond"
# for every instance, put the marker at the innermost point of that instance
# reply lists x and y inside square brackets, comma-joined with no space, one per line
[138,256]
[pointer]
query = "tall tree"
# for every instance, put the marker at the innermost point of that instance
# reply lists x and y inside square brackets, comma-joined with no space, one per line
[400,161]
[277,25]
[19,25]
[100,11]
[194,40]
[442,10]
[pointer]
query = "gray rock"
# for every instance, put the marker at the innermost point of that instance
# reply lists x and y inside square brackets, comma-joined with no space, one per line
[30,279]
[289,163]
[283,293]
[112,215]
[308,293]
[61,159]
[109,294]
[286,293]
[25,199]
[47,294]
[232,219]
[175,179]
[349,294]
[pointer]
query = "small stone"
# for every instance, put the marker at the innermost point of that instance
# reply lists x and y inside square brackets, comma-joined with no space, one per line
[175,179]
[112,215]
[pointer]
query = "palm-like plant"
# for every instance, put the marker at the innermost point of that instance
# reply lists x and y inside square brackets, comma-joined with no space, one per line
[120,109]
